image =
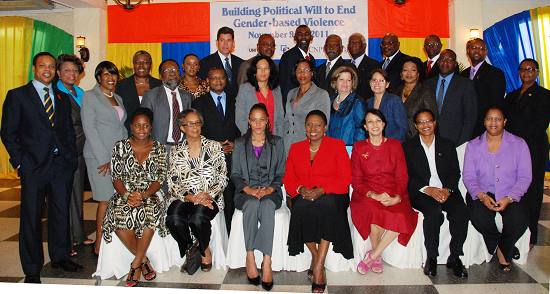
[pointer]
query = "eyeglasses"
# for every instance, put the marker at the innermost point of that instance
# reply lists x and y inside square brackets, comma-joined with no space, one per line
[306,70]
[374,81]
[425,122]
[527,69]
[476,47]
[495,119]
[192,124]
[170,70]
[432,44]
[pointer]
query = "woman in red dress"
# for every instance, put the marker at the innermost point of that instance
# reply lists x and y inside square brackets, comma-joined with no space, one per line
[380,207]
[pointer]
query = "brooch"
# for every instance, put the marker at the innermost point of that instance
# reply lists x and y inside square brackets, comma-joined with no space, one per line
[58,97]
[365,155]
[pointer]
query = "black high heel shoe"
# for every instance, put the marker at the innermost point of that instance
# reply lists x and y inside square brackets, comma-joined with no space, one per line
[254,281]
[318,288]
[267,285]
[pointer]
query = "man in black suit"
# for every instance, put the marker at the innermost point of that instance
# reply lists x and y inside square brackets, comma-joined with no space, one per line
[432,46]
[489,81]
[264,47]
[37,131]
[303,38]
[225,42]
[393,60]
[333,49]
[128,87]
[218,111]
[357,46]
[456,100]
[434,172]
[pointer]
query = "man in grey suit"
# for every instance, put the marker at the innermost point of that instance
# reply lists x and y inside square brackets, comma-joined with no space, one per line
[456,100]
[166,102]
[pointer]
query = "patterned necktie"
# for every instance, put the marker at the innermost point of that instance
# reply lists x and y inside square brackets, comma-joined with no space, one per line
[430,62]
[440,95]
[386,62]
[472,73]
[48,105]
[176,132]
[220,108]
[308,58]
[228,70]
[328,69]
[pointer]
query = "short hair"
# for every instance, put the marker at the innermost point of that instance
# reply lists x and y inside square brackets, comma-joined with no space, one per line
[361,36]
[475,39]
[273,80]
[378,113]
[189,55]
[311,66]
[214,69]
[40,54]
[415,61]
[495,107]
[423,110]
[141,52]
[224,31]
[318,113]
[532,60]
[381,72]
[343,69]
[182,115]
[302,27]
[165,61]
[105,65]
[62,58]
[142,111]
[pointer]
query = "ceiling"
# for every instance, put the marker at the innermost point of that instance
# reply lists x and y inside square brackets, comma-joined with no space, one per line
[17,5]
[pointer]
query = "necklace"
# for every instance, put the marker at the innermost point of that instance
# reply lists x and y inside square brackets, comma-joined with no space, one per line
[141,83]
[314,150]
[110,96]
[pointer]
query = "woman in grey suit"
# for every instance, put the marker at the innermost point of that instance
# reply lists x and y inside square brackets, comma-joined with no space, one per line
[103,117]
[257,171]
[301,101]
[262,87]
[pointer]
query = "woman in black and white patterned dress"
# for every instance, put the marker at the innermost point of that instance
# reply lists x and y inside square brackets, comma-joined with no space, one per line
[197,176]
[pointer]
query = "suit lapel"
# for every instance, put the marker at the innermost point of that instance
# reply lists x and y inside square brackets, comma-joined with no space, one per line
[37,102]
[448,93]
[422,160]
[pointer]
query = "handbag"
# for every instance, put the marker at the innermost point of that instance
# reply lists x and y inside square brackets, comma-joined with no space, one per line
[192,259]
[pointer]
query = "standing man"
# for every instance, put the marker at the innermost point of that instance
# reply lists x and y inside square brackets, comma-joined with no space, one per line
[265,47]
[456,100]
[225,42]
[303,38]
[394,59]
[333,49]
[357,46]
[37,131]
[432,46]
[489,81]
[218,111]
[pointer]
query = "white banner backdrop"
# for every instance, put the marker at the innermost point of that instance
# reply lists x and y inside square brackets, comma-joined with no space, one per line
[250,19]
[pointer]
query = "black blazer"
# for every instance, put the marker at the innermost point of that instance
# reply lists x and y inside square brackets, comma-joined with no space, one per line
[286,70]
[395,67]
[214,127]
[446,162]
[77,123]
[213,60]
[126,89]
[322,80]
[364,72]
[490,87]
[28,135]
[433,73]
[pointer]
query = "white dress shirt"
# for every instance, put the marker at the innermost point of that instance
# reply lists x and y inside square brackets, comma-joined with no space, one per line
[430,154]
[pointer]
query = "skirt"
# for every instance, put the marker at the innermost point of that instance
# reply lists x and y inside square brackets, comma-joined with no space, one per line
[102,185]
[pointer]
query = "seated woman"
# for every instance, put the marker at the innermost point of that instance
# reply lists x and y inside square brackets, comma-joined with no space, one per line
[317,177]
[348,109]
[138,168]
[380,207]
[197,176]
[497,173]
[257,172]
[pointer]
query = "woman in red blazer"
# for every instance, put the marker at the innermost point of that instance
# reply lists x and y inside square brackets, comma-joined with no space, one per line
[317,177]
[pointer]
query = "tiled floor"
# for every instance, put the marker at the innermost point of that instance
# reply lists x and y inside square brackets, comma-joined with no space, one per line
[531,278]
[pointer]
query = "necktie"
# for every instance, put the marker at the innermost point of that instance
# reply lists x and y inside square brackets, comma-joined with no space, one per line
[176,133]
[430,62]
[228,70]
[48,105]
[308,58]
[386,62]
[472,73]
[220,108]
[440,95]
[328,69]
[353,62]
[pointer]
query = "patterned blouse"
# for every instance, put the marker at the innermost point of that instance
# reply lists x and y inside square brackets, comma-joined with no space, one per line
[203,88]
[188,175]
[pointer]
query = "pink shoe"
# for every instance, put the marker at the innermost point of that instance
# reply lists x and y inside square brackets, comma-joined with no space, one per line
[365,265]
[377,265]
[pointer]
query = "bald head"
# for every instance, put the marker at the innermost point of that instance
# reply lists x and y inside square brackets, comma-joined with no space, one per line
[432,45]
[447,62]
[390,44]
[266,45]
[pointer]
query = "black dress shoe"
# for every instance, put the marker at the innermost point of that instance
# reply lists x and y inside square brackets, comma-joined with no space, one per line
[267,285]
[430,267]
[33,279]
[515,253]
[254,281]
[458,268]
[67,265]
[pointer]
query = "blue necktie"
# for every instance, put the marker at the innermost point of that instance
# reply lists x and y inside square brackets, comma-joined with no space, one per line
[441,95]
[220,108]
[228,70]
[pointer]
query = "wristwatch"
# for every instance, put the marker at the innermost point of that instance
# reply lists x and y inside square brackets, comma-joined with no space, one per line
[510,198]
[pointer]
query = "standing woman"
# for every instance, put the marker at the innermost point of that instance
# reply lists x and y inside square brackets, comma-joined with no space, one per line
[257,172]
[103,117]
[301,100]
[262,87]
[380,207]
[389,104]
[69,68]
[348,109]
[190,82]
[317,177]
[528,111]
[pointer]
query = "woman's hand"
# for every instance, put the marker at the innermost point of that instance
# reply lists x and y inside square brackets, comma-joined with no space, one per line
[311,194]
[104,169]
[489,202]
[204,199]
[388,200]
[438,194]
[135,199]
[502,204]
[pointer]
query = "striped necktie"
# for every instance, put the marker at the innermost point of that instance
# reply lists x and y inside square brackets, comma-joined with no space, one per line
[48,105]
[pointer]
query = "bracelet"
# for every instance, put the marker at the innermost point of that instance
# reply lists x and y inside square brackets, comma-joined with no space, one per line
[125,196]
[510,198]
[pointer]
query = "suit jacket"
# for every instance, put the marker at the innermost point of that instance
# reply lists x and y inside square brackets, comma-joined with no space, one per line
[247,98]
[77,122]
[322,80]
[490,87]
[101,124]
[446,162]
[421,97]
[434,72]
[286,70]
[156,100]
[364,69]
[213,60]
[28,135]
[394,69]
[459,112]
[126,89]
[215,127]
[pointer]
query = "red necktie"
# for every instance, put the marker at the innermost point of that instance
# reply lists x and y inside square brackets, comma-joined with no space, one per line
[176,133]
[308,58]
[430,66]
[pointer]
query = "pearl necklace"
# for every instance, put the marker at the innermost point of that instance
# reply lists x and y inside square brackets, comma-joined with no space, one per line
[110,96]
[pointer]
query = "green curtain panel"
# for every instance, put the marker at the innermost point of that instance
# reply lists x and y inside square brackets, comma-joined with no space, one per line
[47,37]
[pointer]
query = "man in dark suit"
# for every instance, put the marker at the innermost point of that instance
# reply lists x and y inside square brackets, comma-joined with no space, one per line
[489,81]
[130,88]
[265,47]
[357,46]
[393,60]
[225,42]
[432,46]
[37,131]
[456,100]
[333,49]
[303,38]
[434,172]
[218,111]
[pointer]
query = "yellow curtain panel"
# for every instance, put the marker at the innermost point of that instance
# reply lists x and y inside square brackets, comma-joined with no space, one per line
[121,54]
[415,46]
[541,28]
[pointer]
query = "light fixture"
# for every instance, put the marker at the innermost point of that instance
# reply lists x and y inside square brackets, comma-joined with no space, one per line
[129,4]
[84,52]
[474,33]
